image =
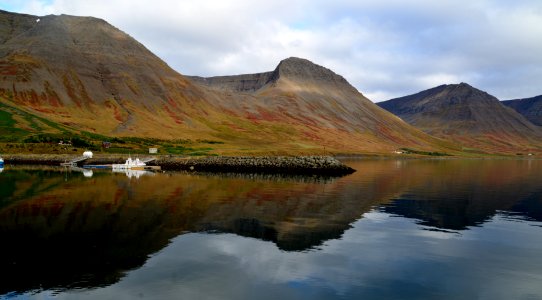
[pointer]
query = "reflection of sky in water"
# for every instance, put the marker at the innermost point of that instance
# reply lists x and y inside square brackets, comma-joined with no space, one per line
[445,229]
[381,257]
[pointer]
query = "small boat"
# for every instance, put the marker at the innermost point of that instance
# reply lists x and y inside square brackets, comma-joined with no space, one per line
[1,163]
[130,164]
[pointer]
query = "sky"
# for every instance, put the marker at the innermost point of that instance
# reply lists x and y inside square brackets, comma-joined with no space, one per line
[385,48]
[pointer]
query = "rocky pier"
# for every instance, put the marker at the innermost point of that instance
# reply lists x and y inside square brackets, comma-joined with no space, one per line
[310,165]
[325,165]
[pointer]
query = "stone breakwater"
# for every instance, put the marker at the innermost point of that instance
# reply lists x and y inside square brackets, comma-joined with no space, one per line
[319,165]
[261,164]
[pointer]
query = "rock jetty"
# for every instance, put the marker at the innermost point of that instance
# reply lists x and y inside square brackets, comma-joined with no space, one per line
[326,165]
[311,165]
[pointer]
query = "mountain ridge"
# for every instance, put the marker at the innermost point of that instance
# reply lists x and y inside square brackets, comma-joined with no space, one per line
[83,73]
[466,115]
[292,68]
[530,108]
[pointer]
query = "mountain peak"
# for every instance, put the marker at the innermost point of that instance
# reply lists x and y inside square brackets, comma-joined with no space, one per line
[463,86]
[300,69]
[295,61]
[462,112]
[38,19]
[47,35]
[468,94]
[294,69]
[61,52]
[441,98]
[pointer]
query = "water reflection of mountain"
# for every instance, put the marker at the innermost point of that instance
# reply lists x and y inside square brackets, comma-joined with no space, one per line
[458,194]
[71,231]
[67,231]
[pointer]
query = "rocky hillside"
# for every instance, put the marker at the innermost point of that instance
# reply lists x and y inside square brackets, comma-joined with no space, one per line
[292,68]
[530,108]
[239,83]
[469,116]
[86,75]
[319,105]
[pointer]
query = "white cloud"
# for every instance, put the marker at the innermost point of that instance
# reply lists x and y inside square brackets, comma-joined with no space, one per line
[384,48]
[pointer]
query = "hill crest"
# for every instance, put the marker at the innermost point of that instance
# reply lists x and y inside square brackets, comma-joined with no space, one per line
[530,108]
[294,69]
[467,115]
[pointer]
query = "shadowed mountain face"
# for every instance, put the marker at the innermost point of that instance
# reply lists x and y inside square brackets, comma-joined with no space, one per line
[88,75]
[530,108]
[468,116]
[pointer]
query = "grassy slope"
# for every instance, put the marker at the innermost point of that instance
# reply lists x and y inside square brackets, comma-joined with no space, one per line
[25,132]
[231,135]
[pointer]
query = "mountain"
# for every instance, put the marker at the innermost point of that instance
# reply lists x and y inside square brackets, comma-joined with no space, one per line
[468,116]
[83,74]
[319,105]
[530,108]
[87,74]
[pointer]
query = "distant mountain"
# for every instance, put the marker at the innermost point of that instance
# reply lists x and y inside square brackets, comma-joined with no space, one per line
[530,108]
[468,116]
[84,74]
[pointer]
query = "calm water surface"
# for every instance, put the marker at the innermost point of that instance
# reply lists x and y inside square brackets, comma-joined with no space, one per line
[420,229]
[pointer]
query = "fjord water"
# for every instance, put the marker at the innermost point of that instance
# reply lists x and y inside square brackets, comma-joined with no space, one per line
[408,229]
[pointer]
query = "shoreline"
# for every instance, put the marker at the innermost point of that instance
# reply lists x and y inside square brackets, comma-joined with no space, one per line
[303,165]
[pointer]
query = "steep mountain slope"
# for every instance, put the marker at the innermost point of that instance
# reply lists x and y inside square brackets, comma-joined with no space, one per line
[85,73]
[530,108]
[319,106]
[88,75]
[469,116]
[238,83]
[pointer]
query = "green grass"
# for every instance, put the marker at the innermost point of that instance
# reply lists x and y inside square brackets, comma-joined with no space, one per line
[118,145]
[41,133]
[181,150]
[125,150]
[8,130]
[9,127]
[33,119]
[419,152]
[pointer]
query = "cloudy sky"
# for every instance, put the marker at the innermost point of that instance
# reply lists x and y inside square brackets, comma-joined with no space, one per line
[385,48]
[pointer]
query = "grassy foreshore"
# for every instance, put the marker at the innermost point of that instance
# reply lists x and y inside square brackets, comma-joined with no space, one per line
[322,165]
